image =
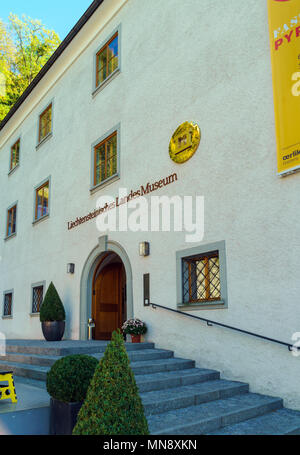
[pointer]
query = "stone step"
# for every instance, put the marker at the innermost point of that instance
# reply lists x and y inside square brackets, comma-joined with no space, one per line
[49,360]
[63,348]
[158,402]
[141,367]
[170,379]
[208,417]
[281,422]
[28,371]
[145,355]
[156,366]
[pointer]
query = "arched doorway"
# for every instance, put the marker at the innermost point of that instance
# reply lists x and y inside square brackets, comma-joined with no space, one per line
[109,296]
[104,247]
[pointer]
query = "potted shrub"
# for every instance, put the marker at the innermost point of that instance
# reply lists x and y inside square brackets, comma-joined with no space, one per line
[67,384]
[52,315]
[113,405]
[135,327]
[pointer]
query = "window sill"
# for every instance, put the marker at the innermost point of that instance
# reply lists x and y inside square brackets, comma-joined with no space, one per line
[7,317]
[105,183]
[13,169]
[34,315]
[215,305]
[10,237]
[45,139]
[43,218]
[106,82]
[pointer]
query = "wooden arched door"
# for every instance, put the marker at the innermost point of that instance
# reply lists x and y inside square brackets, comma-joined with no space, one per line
[107,310]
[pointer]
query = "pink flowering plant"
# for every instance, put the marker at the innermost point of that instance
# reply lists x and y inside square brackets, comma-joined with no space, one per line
[134,327]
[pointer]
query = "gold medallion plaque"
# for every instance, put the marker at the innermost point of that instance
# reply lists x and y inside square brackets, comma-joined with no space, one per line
[185,142]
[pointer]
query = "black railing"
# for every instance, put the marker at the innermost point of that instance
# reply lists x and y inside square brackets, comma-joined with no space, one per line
[219,324]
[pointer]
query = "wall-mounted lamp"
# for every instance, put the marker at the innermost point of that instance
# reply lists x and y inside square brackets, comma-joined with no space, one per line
[71,268]
[145,249]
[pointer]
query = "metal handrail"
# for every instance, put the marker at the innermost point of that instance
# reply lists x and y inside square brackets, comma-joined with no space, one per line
[212,323]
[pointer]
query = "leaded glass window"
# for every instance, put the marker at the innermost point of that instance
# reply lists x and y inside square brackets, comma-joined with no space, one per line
[201,278]
[37,298]
[7,309]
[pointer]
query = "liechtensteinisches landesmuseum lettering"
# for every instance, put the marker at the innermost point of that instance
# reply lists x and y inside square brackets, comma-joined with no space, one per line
[143,191]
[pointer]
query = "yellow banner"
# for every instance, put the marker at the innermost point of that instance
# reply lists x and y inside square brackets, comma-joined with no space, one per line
[284,23]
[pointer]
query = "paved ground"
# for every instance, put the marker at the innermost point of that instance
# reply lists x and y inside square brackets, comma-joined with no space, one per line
[30,416]
[29,396]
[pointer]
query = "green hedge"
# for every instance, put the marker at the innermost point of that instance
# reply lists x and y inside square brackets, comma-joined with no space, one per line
[69,378]
[52,308]
[113,405]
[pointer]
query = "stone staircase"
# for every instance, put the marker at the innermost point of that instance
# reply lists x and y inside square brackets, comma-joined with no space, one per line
[179,399]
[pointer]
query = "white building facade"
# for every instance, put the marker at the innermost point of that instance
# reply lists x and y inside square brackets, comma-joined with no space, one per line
[174,61]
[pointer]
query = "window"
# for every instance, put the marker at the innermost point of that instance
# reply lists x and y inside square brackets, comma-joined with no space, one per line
[14,155]
[7,305]
[37,298]
[42,201]
[45,123]
[201,278]
[105,159]
[11,221]
[107,60]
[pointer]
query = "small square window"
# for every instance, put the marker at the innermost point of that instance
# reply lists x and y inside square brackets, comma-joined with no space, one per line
[7,305]
[201,278]
[42,201]
[37,298]
[14,155]
[105,159]
[45,123]
[107,60]
[11,221]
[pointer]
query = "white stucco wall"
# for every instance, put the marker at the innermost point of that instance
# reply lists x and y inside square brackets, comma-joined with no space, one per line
[208,62]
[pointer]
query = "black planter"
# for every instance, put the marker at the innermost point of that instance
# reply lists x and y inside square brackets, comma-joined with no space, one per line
[53,331]
[63,417]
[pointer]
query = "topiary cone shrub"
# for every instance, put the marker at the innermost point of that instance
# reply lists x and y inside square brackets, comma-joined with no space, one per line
[52,308]
[113,405]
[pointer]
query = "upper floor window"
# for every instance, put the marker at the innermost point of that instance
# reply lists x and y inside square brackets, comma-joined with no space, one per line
[7,304]
[105,159]
[42,201]
[11,221]
[107,60]
[201,278]
[45,123]
[14,155]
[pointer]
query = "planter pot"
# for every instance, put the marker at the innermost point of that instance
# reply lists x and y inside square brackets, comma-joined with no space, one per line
[136,338]
[53,331]
[63,417]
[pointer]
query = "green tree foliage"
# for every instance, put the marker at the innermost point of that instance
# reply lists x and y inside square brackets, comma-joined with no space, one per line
[52,308]
[25,47]
[69,377]
[113,405]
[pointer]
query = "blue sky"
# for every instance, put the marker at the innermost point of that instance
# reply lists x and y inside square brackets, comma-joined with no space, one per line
[58,15]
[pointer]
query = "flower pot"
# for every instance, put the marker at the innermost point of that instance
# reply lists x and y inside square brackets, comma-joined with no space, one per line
[136,338]
[53,331]
[63,416]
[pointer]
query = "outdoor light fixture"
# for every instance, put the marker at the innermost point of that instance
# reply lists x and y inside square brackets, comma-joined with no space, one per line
[71,268]
[145,249]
